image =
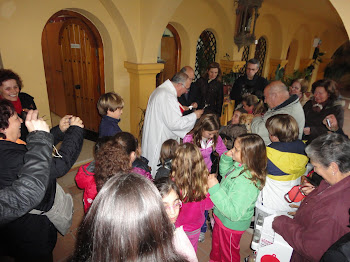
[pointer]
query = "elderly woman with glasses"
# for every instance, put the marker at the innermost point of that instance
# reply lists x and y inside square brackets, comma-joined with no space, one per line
[323,215]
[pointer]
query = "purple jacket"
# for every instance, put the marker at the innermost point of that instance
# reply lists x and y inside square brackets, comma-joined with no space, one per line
[321,219]
[220,148]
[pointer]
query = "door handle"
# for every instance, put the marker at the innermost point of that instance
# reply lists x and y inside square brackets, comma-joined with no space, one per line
[77,86]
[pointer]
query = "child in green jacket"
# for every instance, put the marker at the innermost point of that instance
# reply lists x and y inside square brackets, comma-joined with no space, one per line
[243,171]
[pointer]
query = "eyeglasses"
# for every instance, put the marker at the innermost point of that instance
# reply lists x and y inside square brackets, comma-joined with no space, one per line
[188,89]
[177,205]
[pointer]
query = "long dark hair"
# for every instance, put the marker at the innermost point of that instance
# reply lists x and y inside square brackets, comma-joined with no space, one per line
[126,222]
[6,111]
[207,122]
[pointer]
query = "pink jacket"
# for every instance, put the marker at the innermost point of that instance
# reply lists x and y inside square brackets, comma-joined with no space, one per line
[191,215]
[220,148]
[85,180]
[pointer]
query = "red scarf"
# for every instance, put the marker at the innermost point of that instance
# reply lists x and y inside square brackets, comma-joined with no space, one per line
[17,104]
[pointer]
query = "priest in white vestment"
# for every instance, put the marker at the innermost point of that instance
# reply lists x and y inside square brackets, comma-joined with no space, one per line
[164,119]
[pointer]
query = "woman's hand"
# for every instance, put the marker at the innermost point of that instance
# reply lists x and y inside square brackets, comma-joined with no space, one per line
[332,121]
[307,131]
[64,123]
[35,124]
[76,121]
[212,180]
[307,188]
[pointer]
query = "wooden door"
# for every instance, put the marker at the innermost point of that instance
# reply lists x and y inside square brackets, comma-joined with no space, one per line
[170,53]
[80,66]
[168,49]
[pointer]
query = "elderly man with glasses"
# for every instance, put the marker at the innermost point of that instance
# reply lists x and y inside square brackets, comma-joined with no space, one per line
[164,119]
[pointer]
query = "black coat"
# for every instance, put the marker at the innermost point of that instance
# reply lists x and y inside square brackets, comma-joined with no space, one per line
[314,119]
[212,94]
[34,237]
[27,102]
[28,190]
[339,251]
[193,96]
[243,86]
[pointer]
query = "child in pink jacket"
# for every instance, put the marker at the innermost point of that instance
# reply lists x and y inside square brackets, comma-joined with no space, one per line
[190,174]
[205,135]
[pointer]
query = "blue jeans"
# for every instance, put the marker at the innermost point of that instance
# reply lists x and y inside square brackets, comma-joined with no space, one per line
[204,227]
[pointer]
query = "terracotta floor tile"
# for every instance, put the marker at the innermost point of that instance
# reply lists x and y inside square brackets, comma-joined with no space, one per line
[64,247]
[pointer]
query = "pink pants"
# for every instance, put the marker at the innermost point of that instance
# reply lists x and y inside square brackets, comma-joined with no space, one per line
[225,243]
[193,237]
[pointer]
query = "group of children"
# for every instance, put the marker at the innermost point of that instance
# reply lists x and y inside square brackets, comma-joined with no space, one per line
[252,175]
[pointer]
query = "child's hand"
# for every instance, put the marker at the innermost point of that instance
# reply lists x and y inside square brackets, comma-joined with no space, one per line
[293,206]
[229,153]
[212,180]
[64,123]
[76,121]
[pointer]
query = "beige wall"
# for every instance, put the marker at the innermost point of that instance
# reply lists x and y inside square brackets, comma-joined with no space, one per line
[131,31]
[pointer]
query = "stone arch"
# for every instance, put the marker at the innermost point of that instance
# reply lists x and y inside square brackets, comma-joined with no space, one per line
[304,36]
[123,27]
[331,41]
[185,43]
[272,28]
[342,8]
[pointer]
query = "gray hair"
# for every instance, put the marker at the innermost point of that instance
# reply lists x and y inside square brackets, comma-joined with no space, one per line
[179,78]
[254,61]
[330,148]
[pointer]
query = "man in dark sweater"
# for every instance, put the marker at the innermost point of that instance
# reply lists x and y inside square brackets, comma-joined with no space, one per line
[249,84]
[189,100]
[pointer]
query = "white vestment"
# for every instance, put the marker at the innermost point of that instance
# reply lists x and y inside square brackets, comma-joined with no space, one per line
[163,121]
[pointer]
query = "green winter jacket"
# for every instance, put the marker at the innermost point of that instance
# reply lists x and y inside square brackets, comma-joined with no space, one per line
[234,198]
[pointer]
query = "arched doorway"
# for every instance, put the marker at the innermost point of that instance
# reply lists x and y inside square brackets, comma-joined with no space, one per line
[170,53]
[73,61]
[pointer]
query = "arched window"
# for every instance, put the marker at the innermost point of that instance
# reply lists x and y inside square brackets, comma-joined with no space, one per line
[245,57]
[205,52]
[260,54]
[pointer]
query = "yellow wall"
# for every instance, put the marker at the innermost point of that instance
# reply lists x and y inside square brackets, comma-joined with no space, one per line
[131,32]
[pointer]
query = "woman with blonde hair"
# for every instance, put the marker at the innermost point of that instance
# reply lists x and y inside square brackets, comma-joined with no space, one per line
[299,88]
[253,105]
[190,174]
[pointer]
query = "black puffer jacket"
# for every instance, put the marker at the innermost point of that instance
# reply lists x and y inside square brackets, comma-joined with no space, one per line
[28,190]
[34,237]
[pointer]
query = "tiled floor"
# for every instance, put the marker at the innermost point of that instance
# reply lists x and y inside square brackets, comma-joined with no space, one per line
[65,245]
